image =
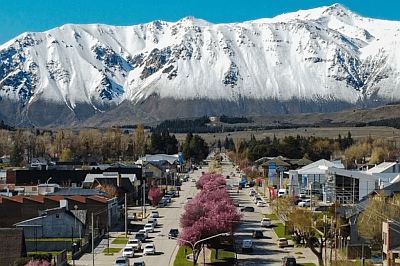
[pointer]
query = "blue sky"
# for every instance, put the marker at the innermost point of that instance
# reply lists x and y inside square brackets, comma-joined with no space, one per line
[17,16]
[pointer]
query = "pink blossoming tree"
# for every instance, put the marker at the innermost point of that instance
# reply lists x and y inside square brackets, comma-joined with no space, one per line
[209,213]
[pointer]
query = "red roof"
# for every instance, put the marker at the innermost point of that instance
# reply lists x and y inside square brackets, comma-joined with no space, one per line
[55,198]
[78,198]
[37,198]
[17,198]
[99,199]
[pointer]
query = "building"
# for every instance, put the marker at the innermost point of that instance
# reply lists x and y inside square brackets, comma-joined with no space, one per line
[391,242]
[55,223]
[13,245]
[312,177]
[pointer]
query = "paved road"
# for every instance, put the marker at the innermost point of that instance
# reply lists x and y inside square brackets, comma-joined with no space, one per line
[165,247]
[265,250]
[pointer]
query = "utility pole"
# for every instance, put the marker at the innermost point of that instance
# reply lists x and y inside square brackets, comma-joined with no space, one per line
[93,238]
[144,198]
[335,235]
[126,216]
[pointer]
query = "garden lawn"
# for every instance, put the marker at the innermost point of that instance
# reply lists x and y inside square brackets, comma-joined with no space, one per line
[111,250]
[180,259]
[271,216]
[225,257]
[280,231]
[120,241]
[307,264]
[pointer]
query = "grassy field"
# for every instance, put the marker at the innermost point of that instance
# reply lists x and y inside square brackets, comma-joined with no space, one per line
[271,216]
[180,259]
[111,251]
[307,264]
[120,241]
[225,257]
[280,231]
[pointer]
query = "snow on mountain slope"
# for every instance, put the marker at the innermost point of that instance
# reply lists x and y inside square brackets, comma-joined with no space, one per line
[319,55]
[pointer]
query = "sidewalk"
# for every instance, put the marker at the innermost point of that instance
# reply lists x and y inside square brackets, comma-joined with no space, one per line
[100,258]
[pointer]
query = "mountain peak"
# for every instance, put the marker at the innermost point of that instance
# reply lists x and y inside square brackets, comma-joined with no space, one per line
[191,20]
[331,55]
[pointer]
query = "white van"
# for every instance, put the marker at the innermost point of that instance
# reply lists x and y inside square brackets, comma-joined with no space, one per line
[282,192]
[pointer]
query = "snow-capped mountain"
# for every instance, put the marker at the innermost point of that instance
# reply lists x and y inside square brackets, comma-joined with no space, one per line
[321,59]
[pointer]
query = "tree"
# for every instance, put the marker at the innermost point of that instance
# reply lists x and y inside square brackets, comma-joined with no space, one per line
[38,263]
[17,153]
[110,189]
[66,155]
[155,195]
[307,226]
[140,141]
[209,213]
[379,209]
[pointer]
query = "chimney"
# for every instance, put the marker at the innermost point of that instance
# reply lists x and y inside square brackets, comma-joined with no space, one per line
[64,204]
[119,180]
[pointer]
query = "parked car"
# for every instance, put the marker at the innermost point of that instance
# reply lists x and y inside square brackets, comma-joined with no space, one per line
[188,199]
[166,199]
[172,193]
[146,235]
[138,263]
[149,228]
[162,203]
[128,252]
[149,249]
[247,209]
[141,237]
[266,222]
[173,233]
[282,192]
[153,221]
[282,242]
[193,180]
[258,234]
[289,261]
[304,203]
[261,203]
[252,192]
[154,214]
[136,244]
[247,245]
[121,261]
[257,199]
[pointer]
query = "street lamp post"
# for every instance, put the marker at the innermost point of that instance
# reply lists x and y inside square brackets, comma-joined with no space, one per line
[198,242]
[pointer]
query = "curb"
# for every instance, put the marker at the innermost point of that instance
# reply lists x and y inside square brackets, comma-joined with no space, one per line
[174,253]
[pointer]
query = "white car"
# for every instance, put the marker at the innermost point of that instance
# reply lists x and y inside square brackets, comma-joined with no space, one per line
[260,203]
[135,244]
[266,222]
[149,249]
[304,203]
[149,228]
[144,232]
[154,214]
[153,221]
[128,252]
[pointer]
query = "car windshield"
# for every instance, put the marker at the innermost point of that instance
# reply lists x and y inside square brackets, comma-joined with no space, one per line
[120,261]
